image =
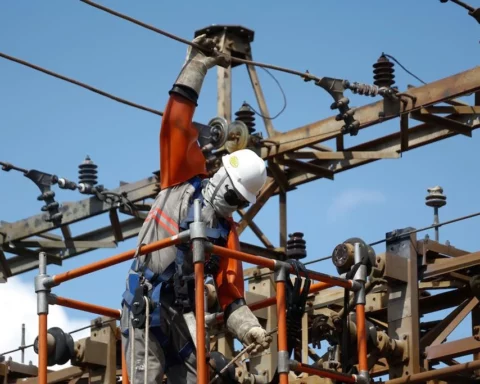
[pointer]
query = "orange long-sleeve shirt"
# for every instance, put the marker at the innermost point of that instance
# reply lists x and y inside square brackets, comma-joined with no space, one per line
[181,159]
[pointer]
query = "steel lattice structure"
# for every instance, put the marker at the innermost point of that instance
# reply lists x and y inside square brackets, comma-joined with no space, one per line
[409,271]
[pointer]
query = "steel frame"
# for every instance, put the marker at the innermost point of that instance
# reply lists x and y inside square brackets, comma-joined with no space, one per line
[294,158]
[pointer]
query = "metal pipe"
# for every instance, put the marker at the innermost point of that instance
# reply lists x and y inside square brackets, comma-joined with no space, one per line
[311,370]
[83,306]
[197,229]
[200,320]
[436,373]
[435,223]
[42,311]
[117,259]
[22,343]
[317,287]
[361,338]
[124,367]
[282,326]
[269,263]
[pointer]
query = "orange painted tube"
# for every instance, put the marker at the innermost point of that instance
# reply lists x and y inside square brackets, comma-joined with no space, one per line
[327,373]
[269,263]
[317,287]
[124,366]
[282,326]
[108,262]
[87,307]
[42,348]
[361,338]
[202,371]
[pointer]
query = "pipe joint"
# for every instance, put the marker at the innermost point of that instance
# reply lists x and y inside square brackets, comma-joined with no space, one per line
[198,230]
[283,362]
[362,378]
[281,270]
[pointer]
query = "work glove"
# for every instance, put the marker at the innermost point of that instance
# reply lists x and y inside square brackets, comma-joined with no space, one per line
[245,326]
[197,62]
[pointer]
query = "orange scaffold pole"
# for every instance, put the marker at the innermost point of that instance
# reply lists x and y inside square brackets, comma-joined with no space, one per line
[82,306]
[198,237]
[283,358]
[42,311]
[117,259]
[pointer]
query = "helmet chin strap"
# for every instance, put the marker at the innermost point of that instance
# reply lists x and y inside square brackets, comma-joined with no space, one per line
[214,198]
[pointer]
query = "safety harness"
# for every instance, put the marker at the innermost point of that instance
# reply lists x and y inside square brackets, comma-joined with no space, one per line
[145,287]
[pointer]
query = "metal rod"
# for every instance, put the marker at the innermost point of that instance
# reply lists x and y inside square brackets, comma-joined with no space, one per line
[282,325]
[436,373]
[124,366]
[311,370]
[435,222]
[361,338]
[108,262]
[269,263]
[42,310]
[198,249]
[22,343]
[87,307]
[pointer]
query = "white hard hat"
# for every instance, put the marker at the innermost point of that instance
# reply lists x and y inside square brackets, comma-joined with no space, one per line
[247,171]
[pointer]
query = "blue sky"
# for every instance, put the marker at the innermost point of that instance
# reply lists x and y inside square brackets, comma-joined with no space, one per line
[51,125]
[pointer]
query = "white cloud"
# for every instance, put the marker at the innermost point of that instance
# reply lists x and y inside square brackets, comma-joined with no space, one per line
[18,301]
[351,199]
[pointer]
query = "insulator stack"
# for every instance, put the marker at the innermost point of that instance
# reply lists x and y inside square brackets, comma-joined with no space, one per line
[383,72]
[435,197]
[246,115]
[296,246]
[87,172]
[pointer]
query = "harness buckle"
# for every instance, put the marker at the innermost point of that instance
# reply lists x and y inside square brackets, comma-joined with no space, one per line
[139,306]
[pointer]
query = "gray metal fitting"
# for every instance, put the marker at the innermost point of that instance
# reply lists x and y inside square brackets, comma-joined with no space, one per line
[198,230]
[293,365]
[363,377]
[281,270]
[184,236]
[356,286]
[40,288]
[361,274]
[52,298]
[360,297]
[283,362]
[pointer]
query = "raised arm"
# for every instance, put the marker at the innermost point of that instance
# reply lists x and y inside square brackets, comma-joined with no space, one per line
[180,155]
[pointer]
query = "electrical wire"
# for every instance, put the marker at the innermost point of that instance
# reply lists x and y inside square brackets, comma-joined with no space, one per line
[283,95]
[305,75]
[405,69]
[96,325]
[80,84]
[391,238]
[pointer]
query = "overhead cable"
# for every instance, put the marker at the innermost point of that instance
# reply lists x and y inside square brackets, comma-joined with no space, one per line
[304,75]
[80,84]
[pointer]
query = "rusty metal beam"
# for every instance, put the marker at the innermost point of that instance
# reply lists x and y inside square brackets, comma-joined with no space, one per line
[342,155]
[307,167]
[448,88]
[262,104]
[256,230]
[445,122]
[404,132]
[418,136]
[462,347]
[77,211]
[451,265]
[265,194]
[441,331]
[442,109]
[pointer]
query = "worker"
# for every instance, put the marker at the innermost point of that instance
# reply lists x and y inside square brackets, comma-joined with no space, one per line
[167,275]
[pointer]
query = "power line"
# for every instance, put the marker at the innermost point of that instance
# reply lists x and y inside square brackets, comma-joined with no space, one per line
[304,75]
[394,237]
[80,84]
